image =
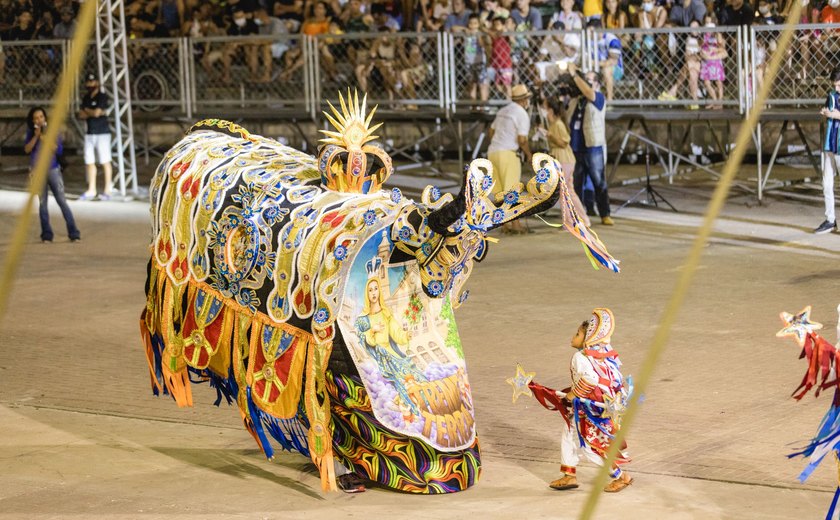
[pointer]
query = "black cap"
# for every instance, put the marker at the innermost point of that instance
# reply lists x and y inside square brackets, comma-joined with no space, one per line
[90,77]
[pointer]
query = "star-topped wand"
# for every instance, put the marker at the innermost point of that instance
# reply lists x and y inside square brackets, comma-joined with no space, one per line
[799,325]
[520,382]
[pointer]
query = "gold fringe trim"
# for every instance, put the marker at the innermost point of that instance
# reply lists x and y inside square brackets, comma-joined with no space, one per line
[164,310]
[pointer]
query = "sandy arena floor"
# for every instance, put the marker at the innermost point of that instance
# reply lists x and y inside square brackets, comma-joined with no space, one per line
[81,435]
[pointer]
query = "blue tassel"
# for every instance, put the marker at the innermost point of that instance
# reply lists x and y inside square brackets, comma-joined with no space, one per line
[196,376]
[827,435]
[226,387]
[256,423]
[288,432]
[601,260]
[830,515]
[157,351]
[272,424]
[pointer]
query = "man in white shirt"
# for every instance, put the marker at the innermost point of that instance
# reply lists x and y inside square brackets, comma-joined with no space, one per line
[508,134]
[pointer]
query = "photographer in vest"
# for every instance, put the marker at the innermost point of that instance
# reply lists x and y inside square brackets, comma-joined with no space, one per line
[588,133]
[508,134]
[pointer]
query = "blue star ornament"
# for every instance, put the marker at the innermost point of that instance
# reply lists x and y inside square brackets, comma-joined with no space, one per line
[798,325]
[520,381]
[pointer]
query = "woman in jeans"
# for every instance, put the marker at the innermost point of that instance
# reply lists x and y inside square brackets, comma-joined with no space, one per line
[36,123]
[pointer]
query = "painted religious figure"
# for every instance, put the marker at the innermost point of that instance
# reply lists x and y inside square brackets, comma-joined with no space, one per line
[406,349]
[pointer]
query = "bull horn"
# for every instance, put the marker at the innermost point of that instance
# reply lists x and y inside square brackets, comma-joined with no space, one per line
[440,219]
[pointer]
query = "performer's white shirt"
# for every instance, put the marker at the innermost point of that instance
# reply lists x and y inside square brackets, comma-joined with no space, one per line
[585,375]
[511,121]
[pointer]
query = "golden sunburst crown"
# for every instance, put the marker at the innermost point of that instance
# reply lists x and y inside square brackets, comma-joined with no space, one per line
[352,127]
[346,161]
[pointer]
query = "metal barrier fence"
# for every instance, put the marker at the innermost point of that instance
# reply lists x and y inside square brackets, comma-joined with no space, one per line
[486,66]
[397,70]
[31,71]
[158,71]
[676,67]
[804,76]
[257,71]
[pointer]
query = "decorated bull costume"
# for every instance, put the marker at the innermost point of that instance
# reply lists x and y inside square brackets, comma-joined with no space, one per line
[321,303]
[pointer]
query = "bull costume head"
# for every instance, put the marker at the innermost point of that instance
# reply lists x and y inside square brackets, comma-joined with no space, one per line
[259,282]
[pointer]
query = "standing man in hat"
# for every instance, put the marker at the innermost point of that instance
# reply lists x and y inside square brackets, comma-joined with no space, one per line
[508,134]
[589,138]
[98,138]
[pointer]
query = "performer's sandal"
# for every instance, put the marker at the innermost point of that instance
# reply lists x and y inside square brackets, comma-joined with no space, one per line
[618,484]
[566,482]
[351,483]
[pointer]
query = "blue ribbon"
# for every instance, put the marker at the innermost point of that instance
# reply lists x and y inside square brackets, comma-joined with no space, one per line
[830,515]
[828,434]
[596,419]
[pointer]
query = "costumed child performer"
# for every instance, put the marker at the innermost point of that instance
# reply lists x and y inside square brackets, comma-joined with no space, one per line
[596,380]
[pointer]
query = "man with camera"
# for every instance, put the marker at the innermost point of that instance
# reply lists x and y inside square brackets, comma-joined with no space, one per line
[588,132]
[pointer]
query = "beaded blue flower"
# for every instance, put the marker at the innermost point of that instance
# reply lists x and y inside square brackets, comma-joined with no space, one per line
[340,252]
[405,233]
[498,216]
[435,193]
[542,175]
[321,316]
[512,197]
[435,288]
[396,195]
[486,182]
[370,217]
[246,297]
[270,213]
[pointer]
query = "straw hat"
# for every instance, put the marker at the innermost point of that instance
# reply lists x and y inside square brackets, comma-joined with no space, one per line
[519,92]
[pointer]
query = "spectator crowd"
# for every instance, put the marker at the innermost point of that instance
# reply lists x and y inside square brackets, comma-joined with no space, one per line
[492,57]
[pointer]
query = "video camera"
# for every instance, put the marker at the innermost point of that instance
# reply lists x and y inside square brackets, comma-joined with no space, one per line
[566,85]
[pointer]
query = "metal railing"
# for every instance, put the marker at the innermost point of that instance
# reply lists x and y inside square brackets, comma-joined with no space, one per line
[675,67]
[484,68]
[643,68]
[400,70]
[31,71]
[159,73]
[257,71]
[803,79]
